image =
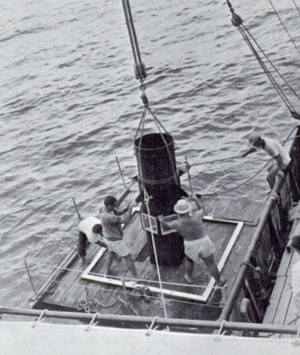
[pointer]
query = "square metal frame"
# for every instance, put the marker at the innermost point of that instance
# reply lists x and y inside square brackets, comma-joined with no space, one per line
[88,275]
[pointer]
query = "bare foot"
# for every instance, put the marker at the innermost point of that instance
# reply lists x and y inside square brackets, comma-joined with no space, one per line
[221,282]
[188,279]
[82,261]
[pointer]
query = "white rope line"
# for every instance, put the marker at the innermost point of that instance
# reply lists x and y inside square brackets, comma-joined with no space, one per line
[155,254]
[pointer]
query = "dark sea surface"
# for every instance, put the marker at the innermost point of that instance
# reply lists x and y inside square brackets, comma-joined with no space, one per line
[70,104]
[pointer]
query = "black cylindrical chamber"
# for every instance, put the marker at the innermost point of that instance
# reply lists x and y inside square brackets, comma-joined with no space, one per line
[158,175]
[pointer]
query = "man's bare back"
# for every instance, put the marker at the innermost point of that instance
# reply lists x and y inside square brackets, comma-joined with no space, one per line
[189,227]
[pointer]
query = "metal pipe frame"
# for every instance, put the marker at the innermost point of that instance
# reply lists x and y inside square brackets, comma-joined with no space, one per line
[143,321]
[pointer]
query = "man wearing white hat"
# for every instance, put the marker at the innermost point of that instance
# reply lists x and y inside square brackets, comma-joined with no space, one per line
[275,150]
[197,244]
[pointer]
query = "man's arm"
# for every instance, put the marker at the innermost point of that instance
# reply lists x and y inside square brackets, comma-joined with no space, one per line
[201,208]
[250,151]
[126,217]
[166,225]
[279,161]
[197,201]
[120,212]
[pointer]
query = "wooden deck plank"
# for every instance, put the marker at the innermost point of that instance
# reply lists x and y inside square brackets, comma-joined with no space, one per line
[74,286]
[118,308]
[135,238]
[283,304]
[220,207]
[237,255]
[251,211]
[274,301]
[291,314]
[69,278]
[233,209]
[288,259]
[282,309]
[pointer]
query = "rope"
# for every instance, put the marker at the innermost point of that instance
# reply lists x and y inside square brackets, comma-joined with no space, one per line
[246,181]
[284,26]
[217,160]
[296,6]
[243,31]
[273,66]
[238,22]
[156,258]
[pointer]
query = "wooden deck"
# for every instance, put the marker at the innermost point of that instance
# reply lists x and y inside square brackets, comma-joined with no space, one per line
[109,299]
[282,309]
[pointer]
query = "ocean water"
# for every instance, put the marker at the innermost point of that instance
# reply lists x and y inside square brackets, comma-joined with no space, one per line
[70,104]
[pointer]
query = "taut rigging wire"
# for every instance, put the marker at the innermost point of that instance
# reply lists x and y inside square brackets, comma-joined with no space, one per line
[296,6]
[238,22]
[286,30]
[140,71]
[140,74]
[259,171]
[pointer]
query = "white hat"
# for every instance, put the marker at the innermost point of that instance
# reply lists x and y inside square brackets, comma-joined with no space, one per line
[253,137]
[182,206]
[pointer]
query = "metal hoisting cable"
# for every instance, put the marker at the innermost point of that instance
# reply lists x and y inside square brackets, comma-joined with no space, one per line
[140,74]
[286,30]
[238,22]
[296,6]
[139,66]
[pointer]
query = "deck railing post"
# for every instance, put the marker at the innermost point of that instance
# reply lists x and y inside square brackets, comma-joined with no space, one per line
[244,266]
[121,172]
[30,278]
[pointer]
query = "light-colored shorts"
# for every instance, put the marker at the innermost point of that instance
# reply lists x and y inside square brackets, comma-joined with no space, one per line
[118,247]
[199,248]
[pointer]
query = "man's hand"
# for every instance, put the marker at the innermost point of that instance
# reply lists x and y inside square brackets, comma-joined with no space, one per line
[280,173]
[132,204]
[194,197]
[252,150]
[160,218]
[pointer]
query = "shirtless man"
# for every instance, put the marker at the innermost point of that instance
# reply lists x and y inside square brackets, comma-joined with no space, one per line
[113,234]
[197,244]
